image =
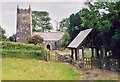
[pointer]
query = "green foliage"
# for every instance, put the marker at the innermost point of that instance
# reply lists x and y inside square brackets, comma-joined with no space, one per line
[15,45]
[63,43]
[87,53]
[36,39]
[117,34]
[41,21]
[64,24]
[21,50]
[2,34]
[23,53]
[104,17]
[12,38]
[74,26]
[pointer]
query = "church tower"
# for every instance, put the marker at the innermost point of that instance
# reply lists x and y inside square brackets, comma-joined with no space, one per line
[24,24]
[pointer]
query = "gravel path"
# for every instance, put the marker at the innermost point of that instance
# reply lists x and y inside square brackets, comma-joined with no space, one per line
[96,74]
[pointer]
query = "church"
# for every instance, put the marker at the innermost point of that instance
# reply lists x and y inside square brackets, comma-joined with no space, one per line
[24,29]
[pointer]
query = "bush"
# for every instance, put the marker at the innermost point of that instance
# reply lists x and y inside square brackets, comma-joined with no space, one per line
[21,50]
[23,54]
[15,45]
[36,39]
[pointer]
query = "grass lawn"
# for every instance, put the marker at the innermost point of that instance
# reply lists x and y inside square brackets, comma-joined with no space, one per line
[87,52]
[0,69]
[32,69]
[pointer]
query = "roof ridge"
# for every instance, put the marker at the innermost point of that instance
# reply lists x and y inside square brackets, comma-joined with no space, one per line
[47,32]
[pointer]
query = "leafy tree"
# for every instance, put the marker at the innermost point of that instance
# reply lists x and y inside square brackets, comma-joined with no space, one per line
[104,17]
[36,39]
[41,21]
[13,38]
[93,17]
[107,22]
[74,26]
[2,34]
[115,29]
[63,43]
[64,24]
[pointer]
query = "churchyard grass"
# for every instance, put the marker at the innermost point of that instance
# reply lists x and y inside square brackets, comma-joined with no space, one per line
[33,69]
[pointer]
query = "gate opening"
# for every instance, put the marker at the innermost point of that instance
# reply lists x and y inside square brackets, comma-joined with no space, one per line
[48,46]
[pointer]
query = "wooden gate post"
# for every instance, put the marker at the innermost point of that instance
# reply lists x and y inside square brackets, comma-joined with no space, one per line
[49,55]
[92,62]
[72,53]
[76,54]
[56,56]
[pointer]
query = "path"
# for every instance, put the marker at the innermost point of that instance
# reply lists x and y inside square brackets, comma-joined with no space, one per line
[96,74]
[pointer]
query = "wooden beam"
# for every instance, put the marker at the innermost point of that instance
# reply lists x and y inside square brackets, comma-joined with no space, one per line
[92,52]
[82,52]
[72,53]
[97,52]
[76,54]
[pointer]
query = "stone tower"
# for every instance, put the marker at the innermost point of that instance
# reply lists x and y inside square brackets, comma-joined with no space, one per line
[24,24]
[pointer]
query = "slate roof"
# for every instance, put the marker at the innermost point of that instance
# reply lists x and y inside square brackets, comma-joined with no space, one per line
[79,38]
[50,36]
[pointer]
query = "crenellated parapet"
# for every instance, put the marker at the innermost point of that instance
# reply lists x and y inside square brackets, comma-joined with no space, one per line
[23,10]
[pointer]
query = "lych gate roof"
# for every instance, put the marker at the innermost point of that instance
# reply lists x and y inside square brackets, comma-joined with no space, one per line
[79,38]
[50,36]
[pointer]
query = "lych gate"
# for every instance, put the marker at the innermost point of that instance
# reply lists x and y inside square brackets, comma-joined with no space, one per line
[100,54]
[90,39]
[77,44]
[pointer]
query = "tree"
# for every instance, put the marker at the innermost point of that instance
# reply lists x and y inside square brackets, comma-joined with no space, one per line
[2,34]
[63,43]
[35,39]
[107,22]
[12,38]
[41,21]
[74,26]
[104,17]
[64,24]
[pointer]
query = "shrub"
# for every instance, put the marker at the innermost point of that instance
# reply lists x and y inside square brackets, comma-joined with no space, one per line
[21,50]
[36,39]
[12,38]
[23,54]
[15,45]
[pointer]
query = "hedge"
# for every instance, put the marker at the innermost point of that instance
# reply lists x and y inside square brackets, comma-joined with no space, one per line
[15,45]
[22,54]
[21,50]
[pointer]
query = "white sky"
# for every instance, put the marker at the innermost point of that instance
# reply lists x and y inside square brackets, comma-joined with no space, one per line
[56,9]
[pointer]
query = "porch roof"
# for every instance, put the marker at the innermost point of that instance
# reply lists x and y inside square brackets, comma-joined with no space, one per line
[79,38]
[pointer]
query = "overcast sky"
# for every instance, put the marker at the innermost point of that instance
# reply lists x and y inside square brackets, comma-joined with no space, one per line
[56,10]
